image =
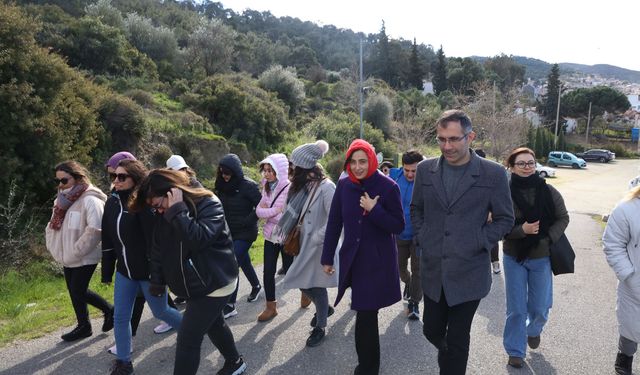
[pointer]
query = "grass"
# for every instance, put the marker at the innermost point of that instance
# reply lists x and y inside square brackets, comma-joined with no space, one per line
[35,300]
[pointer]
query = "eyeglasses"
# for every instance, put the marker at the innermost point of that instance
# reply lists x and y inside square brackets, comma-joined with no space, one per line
[155,207]
[62,181]
[450,140]
[122,177]
[523,165]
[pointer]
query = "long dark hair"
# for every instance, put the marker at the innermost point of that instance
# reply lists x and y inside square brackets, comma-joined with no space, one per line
[76,170]
[135,169]
[159,182]
[301,177]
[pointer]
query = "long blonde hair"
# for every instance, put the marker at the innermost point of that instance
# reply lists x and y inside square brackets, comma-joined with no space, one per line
[633,193]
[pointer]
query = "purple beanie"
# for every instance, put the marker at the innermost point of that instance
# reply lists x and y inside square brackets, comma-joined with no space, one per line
[117,157]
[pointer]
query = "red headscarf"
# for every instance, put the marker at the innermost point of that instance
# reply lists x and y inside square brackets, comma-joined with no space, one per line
[361,144]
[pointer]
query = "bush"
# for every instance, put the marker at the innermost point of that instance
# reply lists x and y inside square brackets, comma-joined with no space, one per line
[141,97]
[284,82]
[124,120]
[17,227]
[378,111]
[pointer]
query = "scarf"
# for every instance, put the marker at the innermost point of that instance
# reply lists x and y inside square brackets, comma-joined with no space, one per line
[360,144]
[542,208]
[293,210]
[63,202]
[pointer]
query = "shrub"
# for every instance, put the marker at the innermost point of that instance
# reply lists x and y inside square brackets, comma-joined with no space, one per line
[284,82]
[17,227]
[141,97]
[378,111]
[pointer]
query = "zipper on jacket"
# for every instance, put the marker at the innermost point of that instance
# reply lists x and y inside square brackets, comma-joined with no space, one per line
[124,248]
[184,279]
[196,271]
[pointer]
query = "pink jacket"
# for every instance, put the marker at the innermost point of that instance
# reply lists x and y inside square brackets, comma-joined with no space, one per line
[273,210]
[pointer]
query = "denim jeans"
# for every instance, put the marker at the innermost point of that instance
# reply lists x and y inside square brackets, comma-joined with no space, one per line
[124,296]
[202,316]
[529,291]
[241,250]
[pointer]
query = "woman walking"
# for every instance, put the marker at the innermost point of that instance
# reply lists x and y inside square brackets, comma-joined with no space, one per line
[541,219]
[126,238]
[621,241]
[367,205]
[275,170]
[310,195]
[240,197]
[73,238]
[192,253]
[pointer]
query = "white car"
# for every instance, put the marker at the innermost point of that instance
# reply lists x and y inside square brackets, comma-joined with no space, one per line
[545,171]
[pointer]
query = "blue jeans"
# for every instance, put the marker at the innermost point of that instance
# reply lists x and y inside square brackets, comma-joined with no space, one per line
[124,296]
[241,250]
[529,290]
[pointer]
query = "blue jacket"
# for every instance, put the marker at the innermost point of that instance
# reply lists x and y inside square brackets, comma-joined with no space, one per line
[406,191]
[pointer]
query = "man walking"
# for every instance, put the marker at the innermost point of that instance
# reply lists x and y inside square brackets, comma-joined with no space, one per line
[404,177]
[452,198]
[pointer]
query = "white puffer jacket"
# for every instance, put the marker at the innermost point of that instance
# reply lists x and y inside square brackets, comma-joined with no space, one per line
[621,242]
[77,242]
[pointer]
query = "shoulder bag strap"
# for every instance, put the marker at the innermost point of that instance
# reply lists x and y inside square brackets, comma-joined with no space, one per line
[277,195]
[304,211]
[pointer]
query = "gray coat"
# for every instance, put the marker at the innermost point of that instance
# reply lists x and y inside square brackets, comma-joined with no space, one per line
[306,271]
[455,238]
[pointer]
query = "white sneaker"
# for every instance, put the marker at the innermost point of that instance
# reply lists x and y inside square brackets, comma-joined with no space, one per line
[496,267]
[113,350]
[162,328]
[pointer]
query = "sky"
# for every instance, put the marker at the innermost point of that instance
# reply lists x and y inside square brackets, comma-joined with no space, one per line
[582,33]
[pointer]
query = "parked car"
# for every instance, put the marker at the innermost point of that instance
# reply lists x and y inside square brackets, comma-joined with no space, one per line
[603,156]
[557,158]
[544,171]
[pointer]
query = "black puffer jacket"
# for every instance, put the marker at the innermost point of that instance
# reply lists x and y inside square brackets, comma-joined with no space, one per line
[192,251]
[125,239]
[240,197]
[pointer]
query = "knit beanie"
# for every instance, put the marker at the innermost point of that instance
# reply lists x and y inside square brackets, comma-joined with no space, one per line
[117,157]
[307,155]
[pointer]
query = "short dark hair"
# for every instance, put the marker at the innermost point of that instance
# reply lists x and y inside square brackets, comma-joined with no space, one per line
[511,159]
[386,163]
[480,152]
[411,157]
[455,115]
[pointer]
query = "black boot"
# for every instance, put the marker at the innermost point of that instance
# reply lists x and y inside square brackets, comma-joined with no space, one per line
[80,332]
[624,364]
[107,325]
[121,368]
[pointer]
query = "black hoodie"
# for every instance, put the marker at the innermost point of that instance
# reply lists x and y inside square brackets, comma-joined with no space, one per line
[240,197]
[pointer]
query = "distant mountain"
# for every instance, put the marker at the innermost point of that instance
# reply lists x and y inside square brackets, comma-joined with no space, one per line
[539,70]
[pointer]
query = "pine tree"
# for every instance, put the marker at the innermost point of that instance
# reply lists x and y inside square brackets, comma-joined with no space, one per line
[383,66]
[440,73]
[550,99]
[539,143]
[416,72]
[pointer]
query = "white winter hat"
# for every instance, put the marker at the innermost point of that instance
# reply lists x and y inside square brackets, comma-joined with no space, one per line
[176,162]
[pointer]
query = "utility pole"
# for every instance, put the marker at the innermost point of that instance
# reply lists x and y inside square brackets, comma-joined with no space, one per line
[555,144]
[361,93]
[586,137]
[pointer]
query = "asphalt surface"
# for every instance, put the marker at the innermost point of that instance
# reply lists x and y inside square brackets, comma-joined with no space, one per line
[580,337]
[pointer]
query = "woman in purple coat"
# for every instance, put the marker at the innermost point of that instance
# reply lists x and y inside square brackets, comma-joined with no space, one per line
[367,205]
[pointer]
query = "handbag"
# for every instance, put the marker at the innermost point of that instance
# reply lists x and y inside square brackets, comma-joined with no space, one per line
[291,245]
[562,256]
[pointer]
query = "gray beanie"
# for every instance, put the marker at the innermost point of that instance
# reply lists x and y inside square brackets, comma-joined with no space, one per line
[307,155]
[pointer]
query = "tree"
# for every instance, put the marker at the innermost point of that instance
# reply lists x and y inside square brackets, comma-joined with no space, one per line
[463,73]
[382,66]
[416,73]
[210,47]
[602,98]
[284,82]
[440,73]
[549,104]
[505,71]
[378,111]
[106,13]
[158,43]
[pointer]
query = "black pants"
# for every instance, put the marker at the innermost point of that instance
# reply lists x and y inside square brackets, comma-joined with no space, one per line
[447,328]
[203,316]
[367,342]
[77,279]
[271,251]
[494,253]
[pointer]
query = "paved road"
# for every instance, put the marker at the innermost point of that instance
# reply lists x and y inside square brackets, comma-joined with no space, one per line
[580,337]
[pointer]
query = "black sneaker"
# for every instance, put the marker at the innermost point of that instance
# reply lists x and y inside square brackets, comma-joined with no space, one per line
[314,320]
[255,292]
[414,311]
[179,300]
[316,337]
[233,368]
[229,310]
[624,364]
[77,333]
[121,368]
[107,325]
[281,271]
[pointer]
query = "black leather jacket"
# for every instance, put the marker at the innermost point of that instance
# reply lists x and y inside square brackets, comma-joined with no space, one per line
[192,250]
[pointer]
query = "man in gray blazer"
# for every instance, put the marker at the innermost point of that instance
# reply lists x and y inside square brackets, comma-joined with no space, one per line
[452,198]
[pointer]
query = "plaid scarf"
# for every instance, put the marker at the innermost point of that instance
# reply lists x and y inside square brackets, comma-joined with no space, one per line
[292,212]
[64,201]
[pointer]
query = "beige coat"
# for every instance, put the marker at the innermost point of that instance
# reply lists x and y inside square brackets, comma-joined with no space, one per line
[77,243]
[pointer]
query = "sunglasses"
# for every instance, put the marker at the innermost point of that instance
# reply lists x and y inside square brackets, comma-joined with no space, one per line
[62,181]
[122,177]
[155,207]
